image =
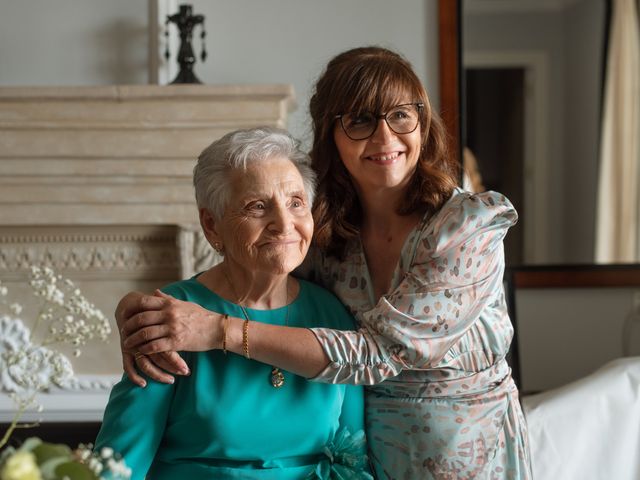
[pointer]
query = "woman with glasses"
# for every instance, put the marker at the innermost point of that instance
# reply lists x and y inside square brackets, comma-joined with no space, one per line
[418,261]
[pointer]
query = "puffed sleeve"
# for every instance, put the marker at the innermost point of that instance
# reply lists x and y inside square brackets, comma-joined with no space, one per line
[453,280]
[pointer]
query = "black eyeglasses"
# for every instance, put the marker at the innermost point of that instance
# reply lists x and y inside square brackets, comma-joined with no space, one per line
[401,119]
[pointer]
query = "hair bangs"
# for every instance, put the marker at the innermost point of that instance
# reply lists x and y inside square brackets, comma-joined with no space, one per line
[378,87]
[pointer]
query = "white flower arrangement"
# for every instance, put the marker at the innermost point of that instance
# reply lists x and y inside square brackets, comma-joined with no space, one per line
[28,368]
[38,460]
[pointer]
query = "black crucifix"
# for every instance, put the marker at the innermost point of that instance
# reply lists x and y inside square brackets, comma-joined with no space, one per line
[186,22]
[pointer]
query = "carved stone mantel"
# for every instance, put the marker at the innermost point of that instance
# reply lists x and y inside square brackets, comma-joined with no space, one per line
[126,151]
[96,182]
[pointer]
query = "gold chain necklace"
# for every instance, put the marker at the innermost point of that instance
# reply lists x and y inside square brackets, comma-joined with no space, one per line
[276,376]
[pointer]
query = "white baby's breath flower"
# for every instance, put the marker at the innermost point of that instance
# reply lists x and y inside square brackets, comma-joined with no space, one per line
[118,467]
[15,308]
[65,316]
[95,465]
[85,453]
[72,318]
[106,452]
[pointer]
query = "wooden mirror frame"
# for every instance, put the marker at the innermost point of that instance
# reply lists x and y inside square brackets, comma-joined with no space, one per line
[450,58]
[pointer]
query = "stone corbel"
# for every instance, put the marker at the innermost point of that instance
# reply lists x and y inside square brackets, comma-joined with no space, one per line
[194,251]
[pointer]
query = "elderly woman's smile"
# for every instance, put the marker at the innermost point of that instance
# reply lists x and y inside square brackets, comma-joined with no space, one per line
[267,225]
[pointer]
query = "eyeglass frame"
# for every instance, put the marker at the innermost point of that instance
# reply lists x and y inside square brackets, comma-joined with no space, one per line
[418,105]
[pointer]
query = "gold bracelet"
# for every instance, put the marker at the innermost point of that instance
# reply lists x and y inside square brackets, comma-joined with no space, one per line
[245,338]
[225,325]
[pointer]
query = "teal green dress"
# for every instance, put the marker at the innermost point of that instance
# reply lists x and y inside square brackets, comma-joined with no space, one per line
[227,421]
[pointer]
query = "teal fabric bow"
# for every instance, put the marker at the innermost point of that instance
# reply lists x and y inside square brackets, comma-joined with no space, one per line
[346,458]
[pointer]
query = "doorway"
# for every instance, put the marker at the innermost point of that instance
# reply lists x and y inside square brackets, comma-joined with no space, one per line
[495,138]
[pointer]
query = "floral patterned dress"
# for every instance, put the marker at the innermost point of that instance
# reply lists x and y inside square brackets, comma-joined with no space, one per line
[441,402]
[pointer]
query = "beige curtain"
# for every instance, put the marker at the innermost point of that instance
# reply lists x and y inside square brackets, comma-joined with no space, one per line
[618,209]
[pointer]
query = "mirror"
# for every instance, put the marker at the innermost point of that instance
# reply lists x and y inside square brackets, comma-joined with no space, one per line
[530,103]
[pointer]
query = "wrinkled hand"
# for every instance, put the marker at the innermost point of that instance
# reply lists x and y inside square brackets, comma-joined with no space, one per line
[155,366]
[158,325]
[170,324]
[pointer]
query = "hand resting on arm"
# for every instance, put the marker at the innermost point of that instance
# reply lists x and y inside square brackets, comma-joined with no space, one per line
[132,310]
[159,326]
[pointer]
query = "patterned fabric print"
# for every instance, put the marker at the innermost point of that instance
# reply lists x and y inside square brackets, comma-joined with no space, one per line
[442,403]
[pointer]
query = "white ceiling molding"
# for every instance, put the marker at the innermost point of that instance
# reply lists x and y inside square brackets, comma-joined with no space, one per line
[515,6]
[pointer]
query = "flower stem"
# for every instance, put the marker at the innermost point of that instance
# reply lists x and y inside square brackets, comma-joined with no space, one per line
[12,427]
[37,322]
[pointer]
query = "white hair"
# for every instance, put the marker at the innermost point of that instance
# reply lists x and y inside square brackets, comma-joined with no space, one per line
[238,149]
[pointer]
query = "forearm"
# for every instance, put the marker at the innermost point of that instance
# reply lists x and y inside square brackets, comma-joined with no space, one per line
[183,326]
[295,350]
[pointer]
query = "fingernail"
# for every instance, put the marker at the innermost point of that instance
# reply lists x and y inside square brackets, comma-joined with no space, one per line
[143,384]
[172,380]
[185,371]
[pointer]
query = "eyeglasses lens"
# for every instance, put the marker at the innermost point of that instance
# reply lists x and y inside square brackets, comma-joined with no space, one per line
[401,119]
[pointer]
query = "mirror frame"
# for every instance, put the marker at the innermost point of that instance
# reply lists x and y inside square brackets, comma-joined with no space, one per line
[450,75]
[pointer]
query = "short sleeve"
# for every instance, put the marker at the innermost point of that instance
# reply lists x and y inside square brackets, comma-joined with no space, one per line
[454,279]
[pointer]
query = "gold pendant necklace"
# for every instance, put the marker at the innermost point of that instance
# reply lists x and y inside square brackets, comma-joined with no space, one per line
[276,376]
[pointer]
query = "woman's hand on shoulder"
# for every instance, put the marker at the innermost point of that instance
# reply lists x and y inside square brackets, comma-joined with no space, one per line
[168,324]
[154,327]
[159,367]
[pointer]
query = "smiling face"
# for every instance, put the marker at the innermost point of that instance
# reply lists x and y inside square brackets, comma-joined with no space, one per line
[267,224]
[384,160]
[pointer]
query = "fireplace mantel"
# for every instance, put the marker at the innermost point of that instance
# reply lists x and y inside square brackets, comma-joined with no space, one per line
[117,154]
[96,183]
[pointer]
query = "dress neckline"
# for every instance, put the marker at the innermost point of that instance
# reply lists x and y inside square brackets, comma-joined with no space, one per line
[399,270]
[194,280]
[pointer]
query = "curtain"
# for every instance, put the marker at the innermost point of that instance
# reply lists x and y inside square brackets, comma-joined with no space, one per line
[618,209]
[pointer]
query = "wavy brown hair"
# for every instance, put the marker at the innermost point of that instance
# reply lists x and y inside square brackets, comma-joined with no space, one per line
[371,79]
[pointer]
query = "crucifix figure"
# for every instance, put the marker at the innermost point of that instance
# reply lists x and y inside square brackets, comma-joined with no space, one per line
[186,22]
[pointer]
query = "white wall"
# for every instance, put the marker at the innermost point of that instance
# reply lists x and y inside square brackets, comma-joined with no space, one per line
[567,333]
[290,41]
[73,42]
[93,42]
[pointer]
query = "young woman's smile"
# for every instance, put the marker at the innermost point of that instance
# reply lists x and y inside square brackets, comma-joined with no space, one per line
[384,160]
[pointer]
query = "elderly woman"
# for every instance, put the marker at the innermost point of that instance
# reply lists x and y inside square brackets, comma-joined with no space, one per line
[233,417]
